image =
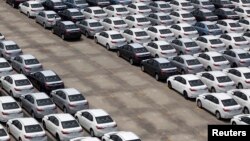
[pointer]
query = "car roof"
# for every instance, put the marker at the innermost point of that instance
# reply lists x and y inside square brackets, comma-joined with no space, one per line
[8,42]
[187,57]
[117,6]
[245,8]
[139,4]
[221,96]
[237,51]
[183,24]
[27,56]
[136,29]
[207,22]
[210,37]
[18,76]
[33,2]
[39,95]
[56,0]
[160,27]
[138,16]
[95,8]
[160,2]
[229,20]
[97,112]
[70,91]
[91,20]
[136,45]
[27,121]
[110,32]
[64,116]
[115,18]
[127,135]
[189,77]
[49,12]
[161,14]
[3,60]
[216,73]
[6,99]
[185,40]
[205,10]
[73,10]
[243,69]
[161,60]
[182,12]
[67,22]
[234,34]
[213,53]
[48,73]
[161,42]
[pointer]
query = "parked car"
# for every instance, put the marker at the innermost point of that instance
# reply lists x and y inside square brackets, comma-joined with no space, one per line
[137,21]
[160,6]
[73,15]
[114,23]
[234,41]
[46,81]
[95,12]
[240,3]
[237,57]
[16,85]
[110,39]
[2,36]
[185,46]
[90,27]
[4,135]
[213,61]
[178,5]
[85,139]
[9,109]
[15,3]
[144,1]
[79,4]
[136,35]
[202,4]
[9,49]
[220,104]
[184,30]
[66,30]
[5,67]
[189,85]
[242,119]
[182,17]
[187,64]
[54,5]
[139,8]
[216,81]
[133,52]
[222,3]
[116,11]
[210,43]
[160,19]
[204,15]
[161,49]
[123,2]
[30,8]
[160,68]
[23,128]
[245,23]
[96,121]
[63,126]
[121,135]
[47,18]
[207,28]
[101,3]
[243,12]
[160,33]
[226,13]
[241,96]
[70,100]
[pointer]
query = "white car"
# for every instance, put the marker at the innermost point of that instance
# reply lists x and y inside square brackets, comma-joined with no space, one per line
[240,3]
[5,67]
[9,49]
[237,57]
[16,85]
[185,46]
[121,136]
[114,23]
[139,8]
[182,17]
[220,104]
[213,61]
[184,30]
[30,8]
[2,36]
[85,139]
[4,136]
[160,33]
[240,75]
[116,11]
[110,39]
[245,23]
[26,129]
[136,35]
[235,41]
[63,126]
[178,5]
[139,1]
[160,18]
[246,35]
[9,109]
[96,121]
[160,6]
[94,12]
[161,49]
[243,12]
[139,21]
[210,43]
[241,96]
[230,26]
[206,4]
[242,119]
[216,81]
[188,84]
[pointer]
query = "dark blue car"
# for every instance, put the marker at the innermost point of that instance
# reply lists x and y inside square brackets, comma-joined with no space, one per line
[123,2]
[207,28]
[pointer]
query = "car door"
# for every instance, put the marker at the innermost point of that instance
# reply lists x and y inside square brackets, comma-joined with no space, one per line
[18,63]
[208,79]
[102,38]
[207,102]
[52,124]
[176,81]
[26,103]
[240,98]
[59,98]
[4,82]
[181,85]
[153,68]
[16,128]
[83,119]
[8,85]
[234,74]
[214,104]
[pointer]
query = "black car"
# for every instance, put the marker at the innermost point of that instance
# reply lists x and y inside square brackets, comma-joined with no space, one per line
[55,5]
[160,68]
[222,3]
[226,13]
[46,81]
[204,15]
[72,14]
[133,52]
[15,3]
[66,30]
[101,3]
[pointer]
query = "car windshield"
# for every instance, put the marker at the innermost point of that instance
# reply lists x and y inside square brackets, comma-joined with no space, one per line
[2,133]
[143,8]
[104,119]
[219,58]
[164,6]
[140,20]
[215,41]
[230,13]
[197,82]
[33,128]
[58,3]
[225,2]
[140,50]
[166,47]
[4,65]
[31,61]
[214,26]
[78,2]
[248,11]
[76,97]
[188,29]
[119,22]
[70,124]
[223,79]
[185,4]
[12,47]
[187,15]
[165,18]
[52,78]
[239,39]
[10,105]
[247,75]
[76,14]
[122,9]
[234,24]
[165,31]
[95,24]
[229,102]
[208,14]
[44,102]
[166,65]
[206,3]
[22,82]
[190,44]
[52,16]
[116,36]
[193,62]
[141,33]
[71,26]
[100,11]
[36,5]
[245,1]
[244,55]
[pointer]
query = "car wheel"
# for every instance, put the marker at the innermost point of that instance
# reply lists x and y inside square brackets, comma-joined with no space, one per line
[44,26]
[44,126]
[199,104]
[118,53]
[206,50]
[133,26]
[225,32]
[65,110]
[131,41]
[21,71]
[131,61]
[142,68]
[110,29]
[156,39]
[11,94]
[19,139]
[234,65]
[240,86]
[33,114]
[28,14]
[63,37]
[234,123]
[13,5]
[179,36]
[245,111]
[209,68]
[185,95]
[170,85]
[107,47]
[156,76]
[53,31]
[182,72]
[8,129]
[87,34]
[217,114]
[92,133]
[57,137]
[213,90]
[96,41]
[180,53]
[230,47]
[156,56]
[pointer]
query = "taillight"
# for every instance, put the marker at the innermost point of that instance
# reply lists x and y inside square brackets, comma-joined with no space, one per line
[86,103]
[80,130]
[164,53]
[50,20]
[39,110]
[7,52]
[16,89]
[72,105]
[221,85]
[137,38]
[163,36]
[99,127]
[241,61]
[216,64]
[27,68]
[190,68]
[28,137]
[185,33]
[113,41]
[139,24]
[187,50]
[226,110]
[247,81]
[65,132]
[4,113]
[192,89]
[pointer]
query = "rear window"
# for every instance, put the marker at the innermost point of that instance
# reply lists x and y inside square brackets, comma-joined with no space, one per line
[12,47]
[104,119]
[36,5]
[99,11]
[239,39]
[196,83]
[190,44]
[185,4]
[4,65]
[31,61]
[76,97]
[43,102]
[143,7]
[206,3]
[229,102]
[208,14]
[225,2]
[219,59]
[9,106]
[52,16]
[71,26]
[244,55]
[52,78]
[245,1]
[223,79]
[122,9]
[248,11]
[234,24]
[140,50]
[247,75]
[215,41]
[193,62]
[141,33]
[229,13]
[70,124]
[119,22]
[22,82]
[140,20]
[188,15]
[164,6]
[95,24]
[165,18]
[58,3]
[166,65]
[33,128]
[116,36]
[166,47]
[76,14]
[2,133]
[80,2]
[165,31]
[188,29]
[212,27]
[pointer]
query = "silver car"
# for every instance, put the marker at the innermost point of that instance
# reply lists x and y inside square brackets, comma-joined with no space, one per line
[5,68]
[26,64]
[47,18]
[38,104]
[185,46]
[160,19]
[237,57]
[90,27]
[70,100]
[187,64]
[9,49]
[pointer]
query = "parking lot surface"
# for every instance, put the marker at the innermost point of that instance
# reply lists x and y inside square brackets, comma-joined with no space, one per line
[134,99]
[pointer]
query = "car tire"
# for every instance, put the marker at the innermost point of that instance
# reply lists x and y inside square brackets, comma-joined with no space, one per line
[156,39]
[230,47]
[133,26]
[28,14]
[170,85]
[240,86]
[206,50]
[131,61]
[107,47]
[8,129]
[32,114]
[53,31]
[234,65]
[118,53]
[185,95]
[65,109]
[19,139]
[44,26]
[131,41]
[11,94]
[213,90]
[199,104]
[245,110]
[225,32]
[110,29]
[180,53]
[209,68]
[21,71]
[13,5]
[86,34]
[96,41]
[156,56]
[179,36]
[44,126]
[234,123]
[217,114]
[57,137]
[157,77]
[92,133]
[63,37]
[142,68]
[183,72]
